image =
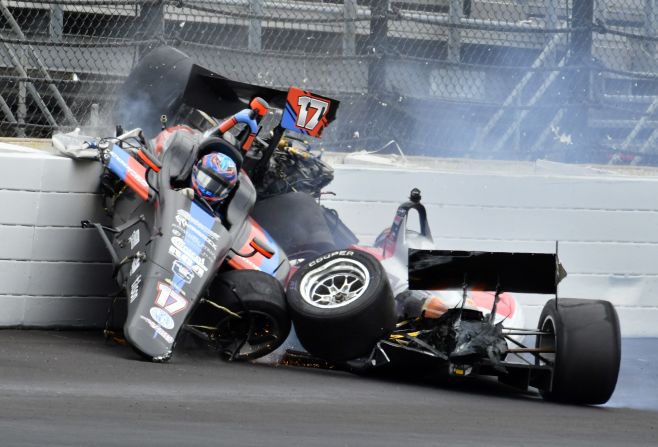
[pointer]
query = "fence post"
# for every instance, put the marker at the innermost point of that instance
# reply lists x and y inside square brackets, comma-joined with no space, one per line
[454,33]
[255,25]
[349,29]
[579,73]
[650,25]
[377,53]
[21,106]
[56,25]
[152,19]
[552,22]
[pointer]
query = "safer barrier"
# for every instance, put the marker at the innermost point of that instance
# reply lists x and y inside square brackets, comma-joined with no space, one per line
[54,273]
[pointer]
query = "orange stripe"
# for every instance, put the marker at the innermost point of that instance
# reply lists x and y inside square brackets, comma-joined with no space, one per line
[147,160]
[256,105]
[260,249]
[226,125]
[247,144]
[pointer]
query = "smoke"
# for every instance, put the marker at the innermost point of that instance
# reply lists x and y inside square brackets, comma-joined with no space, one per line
[499,112]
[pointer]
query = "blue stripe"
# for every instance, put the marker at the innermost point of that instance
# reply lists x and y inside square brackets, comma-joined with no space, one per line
[269,265]
[192,240]
[119,162]
[289,120]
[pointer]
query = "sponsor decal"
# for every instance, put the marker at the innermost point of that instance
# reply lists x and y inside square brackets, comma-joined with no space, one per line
[135,265]
[134,239]
[195,241]
[180,245]
[189,232]
[305,112]
[134,288]
[169,300]
[331,255]
[183,272]
[175,286]
[162,318]
[187,221]
[188,261]
[158,329]
[195,237]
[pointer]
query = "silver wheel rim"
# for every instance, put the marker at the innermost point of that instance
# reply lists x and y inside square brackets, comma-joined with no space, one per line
[335,284]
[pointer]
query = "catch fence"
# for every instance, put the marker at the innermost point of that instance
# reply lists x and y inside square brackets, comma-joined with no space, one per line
[566,80]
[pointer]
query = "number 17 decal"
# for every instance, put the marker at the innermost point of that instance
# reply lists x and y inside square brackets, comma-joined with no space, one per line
[312,107]
[169,300]
[306,113]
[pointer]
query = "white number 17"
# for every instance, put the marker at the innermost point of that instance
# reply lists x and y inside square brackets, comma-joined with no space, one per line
[305,103]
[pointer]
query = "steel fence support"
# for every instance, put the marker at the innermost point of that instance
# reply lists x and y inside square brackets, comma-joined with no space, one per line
[152,24]
[650,25]
[547,130]
[579,73]
[640,124]
[56,23]
[42,68]
[7,110]
[349,29]
[649,141]
[553,22]
[30,88]
[21,104]
[378,34]
[521,116]
[546,53]
[255,25]
[454,33]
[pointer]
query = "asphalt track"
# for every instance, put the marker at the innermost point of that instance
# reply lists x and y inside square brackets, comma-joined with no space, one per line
[72,388]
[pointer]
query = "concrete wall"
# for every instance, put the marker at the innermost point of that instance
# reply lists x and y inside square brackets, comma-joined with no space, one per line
[52,272]
[606,222]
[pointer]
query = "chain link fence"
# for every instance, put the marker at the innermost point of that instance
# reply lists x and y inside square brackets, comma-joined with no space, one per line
[572,80]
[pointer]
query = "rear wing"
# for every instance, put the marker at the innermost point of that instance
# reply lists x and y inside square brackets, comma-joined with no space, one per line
[490,271]
[166,79]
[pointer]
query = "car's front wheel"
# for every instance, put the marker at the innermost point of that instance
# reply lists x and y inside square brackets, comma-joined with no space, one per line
[341,304]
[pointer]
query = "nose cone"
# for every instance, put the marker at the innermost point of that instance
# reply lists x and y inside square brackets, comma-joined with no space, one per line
[148,338]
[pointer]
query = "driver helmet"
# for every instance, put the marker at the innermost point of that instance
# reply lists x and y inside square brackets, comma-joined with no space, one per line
[214,176]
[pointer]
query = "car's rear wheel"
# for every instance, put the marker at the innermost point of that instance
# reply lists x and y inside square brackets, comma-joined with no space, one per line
[585,341]
[341,304]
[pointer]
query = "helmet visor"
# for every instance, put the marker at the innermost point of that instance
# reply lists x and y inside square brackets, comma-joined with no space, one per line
[210,183]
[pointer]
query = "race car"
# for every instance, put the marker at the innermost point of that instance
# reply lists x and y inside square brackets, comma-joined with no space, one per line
[403,305]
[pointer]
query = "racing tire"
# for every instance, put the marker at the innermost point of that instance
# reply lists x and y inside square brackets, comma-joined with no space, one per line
[586,339]
[259,301]
[341,305]
[307,235]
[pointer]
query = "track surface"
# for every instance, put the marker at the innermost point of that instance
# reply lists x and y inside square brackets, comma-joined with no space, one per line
[71,388]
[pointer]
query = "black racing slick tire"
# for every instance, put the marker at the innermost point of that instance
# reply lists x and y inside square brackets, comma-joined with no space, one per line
[307,233]
[341,305]
[247,313]
[586,339]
